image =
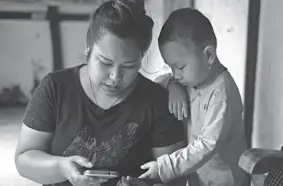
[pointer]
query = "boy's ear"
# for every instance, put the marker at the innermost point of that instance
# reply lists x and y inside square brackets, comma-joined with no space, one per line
[210,53]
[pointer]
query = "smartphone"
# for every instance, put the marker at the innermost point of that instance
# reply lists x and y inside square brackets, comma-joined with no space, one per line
[101,174]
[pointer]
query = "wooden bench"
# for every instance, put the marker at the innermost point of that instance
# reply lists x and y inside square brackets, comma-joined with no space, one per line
[261,161]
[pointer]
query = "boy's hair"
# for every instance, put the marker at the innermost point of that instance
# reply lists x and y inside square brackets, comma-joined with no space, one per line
[188,23]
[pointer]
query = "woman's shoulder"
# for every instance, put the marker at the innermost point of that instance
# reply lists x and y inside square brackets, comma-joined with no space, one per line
[64,73]
[61,80]
[151,89]
[64,76]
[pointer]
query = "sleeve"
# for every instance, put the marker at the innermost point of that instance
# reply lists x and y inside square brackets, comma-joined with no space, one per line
[216,128]
[167,130]
[40,112]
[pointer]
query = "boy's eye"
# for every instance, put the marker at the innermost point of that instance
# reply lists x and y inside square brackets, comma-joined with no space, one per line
[181,68]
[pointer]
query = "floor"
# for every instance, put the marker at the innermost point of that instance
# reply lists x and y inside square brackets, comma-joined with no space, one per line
[10,123]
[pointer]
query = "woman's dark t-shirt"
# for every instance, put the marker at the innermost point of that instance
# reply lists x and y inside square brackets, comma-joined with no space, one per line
[119,138]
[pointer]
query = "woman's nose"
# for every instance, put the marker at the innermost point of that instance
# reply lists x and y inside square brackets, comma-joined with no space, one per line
[116,74]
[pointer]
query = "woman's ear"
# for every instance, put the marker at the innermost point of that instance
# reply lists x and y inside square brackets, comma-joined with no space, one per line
[210,53]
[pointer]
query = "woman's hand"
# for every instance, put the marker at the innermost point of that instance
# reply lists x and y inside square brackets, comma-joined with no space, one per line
[178,100]
[72,169]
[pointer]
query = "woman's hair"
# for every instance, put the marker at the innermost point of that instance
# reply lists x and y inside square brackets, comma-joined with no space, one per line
[125,19]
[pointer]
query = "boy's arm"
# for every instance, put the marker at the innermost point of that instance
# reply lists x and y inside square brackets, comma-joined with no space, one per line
[219,117]
[178,97]
[164,80]
[157,152]
[167,133]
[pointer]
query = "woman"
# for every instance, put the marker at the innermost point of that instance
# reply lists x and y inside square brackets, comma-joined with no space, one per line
[101,115]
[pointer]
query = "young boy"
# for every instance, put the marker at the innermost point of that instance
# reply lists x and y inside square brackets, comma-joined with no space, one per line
[216,136]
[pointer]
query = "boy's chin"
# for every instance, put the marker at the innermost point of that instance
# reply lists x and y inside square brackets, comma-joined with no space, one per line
[187,84]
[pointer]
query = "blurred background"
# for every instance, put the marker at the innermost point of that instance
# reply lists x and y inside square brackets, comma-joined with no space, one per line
[40,36]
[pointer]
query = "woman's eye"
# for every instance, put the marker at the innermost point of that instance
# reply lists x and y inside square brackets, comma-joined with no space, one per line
[129,66]
[106,64]
[181,68]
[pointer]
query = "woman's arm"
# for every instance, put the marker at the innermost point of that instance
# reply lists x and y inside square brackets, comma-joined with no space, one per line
[33,161]
[32,158]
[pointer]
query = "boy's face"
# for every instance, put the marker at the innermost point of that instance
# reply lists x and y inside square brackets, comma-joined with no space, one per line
[188,62]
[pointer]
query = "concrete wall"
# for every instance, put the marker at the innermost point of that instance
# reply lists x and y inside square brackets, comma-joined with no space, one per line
[268,117]
[25,45]
[24,42]
[229,20]
[153,64]
[73,35]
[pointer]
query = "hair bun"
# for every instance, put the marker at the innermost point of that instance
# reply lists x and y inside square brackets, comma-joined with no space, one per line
[138,4]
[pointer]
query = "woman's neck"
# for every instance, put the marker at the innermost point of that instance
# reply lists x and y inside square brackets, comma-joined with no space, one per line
[99,98]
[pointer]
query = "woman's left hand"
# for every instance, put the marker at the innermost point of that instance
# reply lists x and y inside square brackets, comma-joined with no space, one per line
[129,181]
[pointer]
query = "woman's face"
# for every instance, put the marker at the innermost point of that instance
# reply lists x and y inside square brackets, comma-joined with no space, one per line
[114,64]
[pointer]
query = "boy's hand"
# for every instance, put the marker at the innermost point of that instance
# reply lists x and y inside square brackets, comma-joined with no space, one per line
[178,100]
[152,173]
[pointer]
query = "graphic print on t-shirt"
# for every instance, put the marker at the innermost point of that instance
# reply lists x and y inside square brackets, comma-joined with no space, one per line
[105,153]
[84,144]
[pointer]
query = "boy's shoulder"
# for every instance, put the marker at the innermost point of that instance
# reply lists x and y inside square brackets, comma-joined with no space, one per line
[225,89]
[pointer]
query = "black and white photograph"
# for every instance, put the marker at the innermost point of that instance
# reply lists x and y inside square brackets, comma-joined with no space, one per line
[141,93]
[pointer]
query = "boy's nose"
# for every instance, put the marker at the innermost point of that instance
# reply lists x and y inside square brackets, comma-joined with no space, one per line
[177,75]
